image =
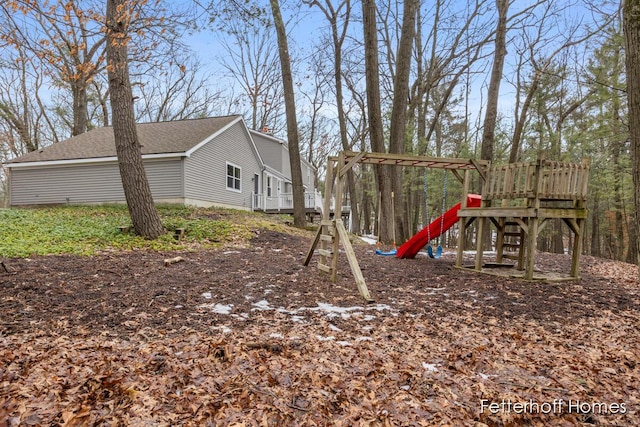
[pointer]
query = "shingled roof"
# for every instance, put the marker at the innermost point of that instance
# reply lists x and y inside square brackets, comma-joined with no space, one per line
[155,138]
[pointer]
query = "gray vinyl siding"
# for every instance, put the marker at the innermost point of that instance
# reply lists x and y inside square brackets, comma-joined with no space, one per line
[206,170]
[307,175]
[91,183]
[270,151]
[286,163]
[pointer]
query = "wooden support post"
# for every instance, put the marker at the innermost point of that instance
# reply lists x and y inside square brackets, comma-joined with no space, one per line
[313,246]
[531,248]
[353,261]
[462,222]
[577,249]
[326,208]
[480,243]
[337,214]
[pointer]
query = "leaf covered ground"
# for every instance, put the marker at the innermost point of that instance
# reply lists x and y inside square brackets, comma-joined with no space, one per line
[247,336]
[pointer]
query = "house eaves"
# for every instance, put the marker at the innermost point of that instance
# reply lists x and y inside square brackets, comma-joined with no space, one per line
[88,161]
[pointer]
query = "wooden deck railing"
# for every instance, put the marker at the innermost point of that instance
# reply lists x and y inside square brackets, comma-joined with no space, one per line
[542,179]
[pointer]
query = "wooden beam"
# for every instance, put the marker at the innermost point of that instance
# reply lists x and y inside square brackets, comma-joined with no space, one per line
[417,161]
[350,164]
[353,261]
[313,247]
[337,214]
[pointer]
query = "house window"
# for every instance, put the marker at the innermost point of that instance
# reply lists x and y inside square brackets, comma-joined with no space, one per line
[233,177]
[269,186]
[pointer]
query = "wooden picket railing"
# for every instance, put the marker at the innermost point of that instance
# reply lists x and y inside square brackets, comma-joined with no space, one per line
[542,179]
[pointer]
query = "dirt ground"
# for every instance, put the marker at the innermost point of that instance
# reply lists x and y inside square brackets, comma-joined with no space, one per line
[271,342]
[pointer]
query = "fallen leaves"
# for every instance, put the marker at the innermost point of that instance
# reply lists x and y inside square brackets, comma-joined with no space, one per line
[280,373]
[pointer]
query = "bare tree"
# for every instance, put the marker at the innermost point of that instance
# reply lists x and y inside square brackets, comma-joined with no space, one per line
[252,60]
[180,92]
[374,117]
[531,53]
[397,131]
[144,216]
[339,17]
[491,111]
[299,217]
[67,41]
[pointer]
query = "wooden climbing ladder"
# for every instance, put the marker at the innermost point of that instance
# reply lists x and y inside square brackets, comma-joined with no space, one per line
[332,232]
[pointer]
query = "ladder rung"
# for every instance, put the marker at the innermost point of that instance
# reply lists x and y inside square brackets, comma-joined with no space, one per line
[326,238]
[325,252]
[511,256]
[512,233]
[324,268]
[511,245]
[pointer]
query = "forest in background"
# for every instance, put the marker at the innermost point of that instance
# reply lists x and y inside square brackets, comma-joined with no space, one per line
[561,91]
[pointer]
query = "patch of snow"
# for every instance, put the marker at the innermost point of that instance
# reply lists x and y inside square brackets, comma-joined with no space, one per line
[431,367]
[206,295]
[178,306]
[230,252]
[329,338]
[359,339]
[343,343]
[262,305]
[334,328]
[276,335]
[372,240]
[218,308]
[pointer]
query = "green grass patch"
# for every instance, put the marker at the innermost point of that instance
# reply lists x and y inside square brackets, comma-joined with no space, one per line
[89,230]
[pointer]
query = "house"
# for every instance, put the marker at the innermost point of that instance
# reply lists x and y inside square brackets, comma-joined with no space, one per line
[277,191]
[205,162]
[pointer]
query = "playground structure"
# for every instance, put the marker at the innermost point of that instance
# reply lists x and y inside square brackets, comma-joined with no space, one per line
[520,195]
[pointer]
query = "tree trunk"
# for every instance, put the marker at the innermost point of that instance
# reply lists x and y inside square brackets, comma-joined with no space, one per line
[631,17]
[491,113]
[374,116]
[399,109]
[145,218]
[338,40]
[80,107]
[299,219]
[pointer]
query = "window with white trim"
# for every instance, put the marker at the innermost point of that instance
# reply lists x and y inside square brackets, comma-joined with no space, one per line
[234,174]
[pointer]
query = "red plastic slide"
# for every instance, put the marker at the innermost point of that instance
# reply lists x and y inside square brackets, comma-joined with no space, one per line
[412,246]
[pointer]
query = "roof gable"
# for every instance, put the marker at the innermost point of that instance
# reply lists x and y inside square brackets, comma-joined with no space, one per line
[178,136]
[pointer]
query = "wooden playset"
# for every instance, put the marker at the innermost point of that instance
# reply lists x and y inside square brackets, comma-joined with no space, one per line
[518,199]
